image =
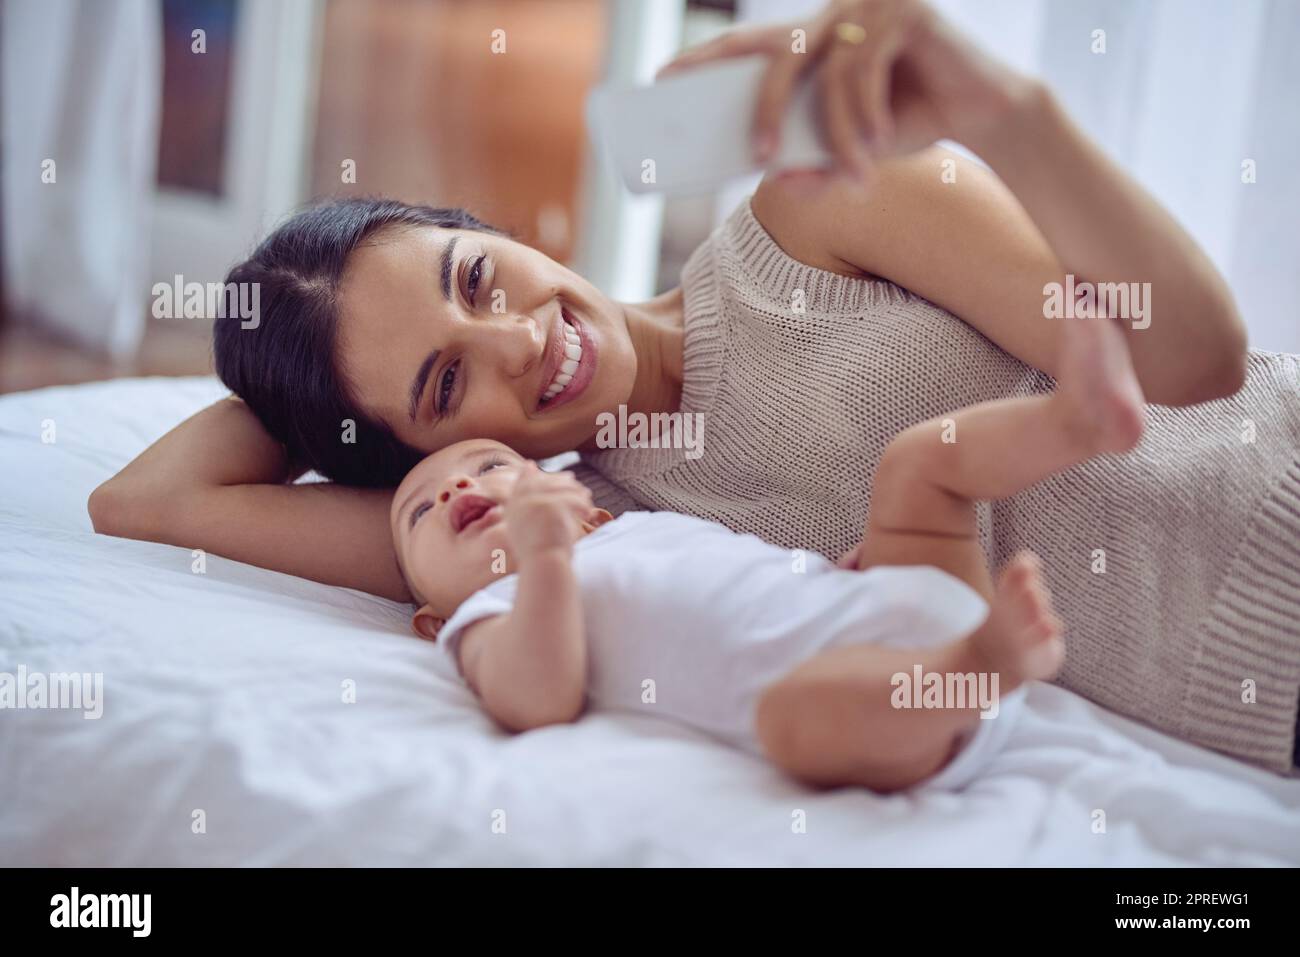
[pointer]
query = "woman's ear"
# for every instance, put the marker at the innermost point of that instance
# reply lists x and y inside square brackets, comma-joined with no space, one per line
[426,624]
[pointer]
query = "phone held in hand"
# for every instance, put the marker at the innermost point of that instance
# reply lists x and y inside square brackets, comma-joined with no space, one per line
[690,132]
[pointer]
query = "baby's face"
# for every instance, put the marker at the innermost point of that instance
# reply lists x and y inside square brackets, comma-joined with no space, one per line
[447,521]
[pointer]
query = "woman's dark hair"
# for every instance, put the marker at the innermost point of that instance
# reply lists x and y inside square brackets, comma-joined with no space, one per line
[284,366]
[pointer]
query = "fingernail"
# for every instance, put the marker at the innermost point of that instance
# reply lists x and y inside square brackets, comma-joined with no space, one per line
[764,145]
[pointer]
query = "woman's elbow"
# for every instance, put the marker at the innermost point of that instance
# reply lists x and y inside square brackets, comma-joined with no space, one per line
[1227,359]
[1211,363]
[104,508]
[113,511]
[1231,376]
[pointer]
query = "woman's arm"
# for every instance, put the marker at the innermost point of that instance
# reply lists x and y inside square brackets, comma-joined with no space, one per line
[218,482]
[1102,226]
[971,247]
[980,246]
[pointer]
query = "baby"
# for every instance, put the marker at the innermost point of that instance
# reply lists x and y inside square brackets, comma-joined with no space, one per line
[543,604]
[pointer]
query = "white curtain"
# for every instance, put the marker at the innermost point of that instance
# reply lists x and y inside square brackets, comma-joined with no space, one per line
[81,88]
[1186,92]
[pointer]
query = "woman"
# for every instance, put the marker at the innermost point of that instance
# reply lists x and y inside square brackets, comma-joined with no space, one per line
[815,324]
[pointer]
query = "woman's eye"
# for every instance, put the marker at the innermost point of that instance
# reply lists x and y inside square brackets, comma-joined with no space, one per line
[475,277]
[445,386]
[419,512]
[490,465]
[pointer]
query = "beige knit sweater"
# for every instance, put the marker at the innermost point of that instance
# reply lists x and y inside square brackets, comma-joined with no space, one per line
[1176,567]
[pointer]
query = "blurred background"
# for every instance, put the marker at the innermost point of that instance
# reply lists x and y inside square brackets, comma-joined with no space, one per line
[145,139]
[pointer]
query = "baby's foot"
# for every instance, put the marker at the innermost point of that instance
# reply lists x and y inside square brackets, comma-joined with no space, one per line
[1097,387]
[1021,638]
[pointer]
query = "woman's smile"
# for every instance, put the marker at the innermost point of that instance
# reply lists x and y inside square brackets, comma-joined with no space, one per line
[491,372]
[570,362]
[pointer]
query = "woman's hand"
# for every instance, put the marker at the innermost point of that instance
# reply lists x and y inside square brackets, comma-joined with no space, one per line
[891,78]
[1071,212]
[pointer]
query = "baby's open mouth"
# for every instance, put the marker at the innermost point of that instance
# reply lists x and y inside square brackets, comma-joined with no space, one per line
[470,509]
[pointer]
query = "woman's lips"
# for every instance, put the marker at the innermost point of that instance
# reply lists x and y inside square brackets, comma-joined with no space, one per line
[582,375]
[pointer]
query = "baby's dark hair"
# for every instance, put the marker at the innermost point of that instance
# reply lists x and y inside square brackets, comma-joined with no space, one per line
[284,365]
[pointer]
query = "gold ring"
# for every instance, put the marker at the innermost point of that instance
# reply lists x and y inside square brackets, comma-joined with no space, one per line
[850,32]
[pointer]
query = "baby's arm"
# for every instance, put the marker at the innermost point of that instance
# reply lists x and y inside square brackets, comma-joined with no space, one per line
[529,667]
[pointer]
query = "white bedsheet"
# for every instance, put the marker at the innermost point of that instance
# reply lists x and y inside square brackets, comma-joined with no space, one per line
[223,694]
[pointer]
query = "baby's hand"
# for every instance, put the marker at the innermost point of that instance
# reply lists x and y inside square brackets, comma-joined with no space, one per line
[545,512]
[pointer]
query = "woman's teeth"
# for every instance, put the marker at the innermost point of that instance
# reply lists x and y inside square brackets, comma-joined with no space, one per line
[572,356]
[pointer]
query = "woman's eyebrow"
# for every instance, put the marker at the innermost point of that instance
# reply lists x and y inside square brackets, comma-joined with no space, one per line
[422,374]
[446,267]
[420,381]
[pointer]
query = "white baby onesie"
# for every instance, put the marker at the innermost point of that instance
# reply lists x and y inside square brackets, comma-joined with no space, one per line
[706,619]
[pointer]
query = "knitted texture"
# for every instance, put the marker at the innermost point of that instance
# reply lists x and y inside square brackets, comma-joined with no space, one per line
[1176,566]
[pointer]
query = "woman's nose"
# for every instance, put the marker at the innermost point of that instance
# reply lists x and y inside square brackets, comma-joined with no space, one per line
[518,340]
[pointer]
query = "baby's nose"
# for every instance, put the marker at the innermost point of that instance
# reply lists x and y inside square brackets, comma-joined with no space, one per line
[446,495]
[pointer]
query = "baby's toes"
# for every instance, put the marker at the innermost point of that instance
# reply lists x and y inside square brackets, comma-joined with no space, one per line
[1019,571]
[1042,597]
[1043,661]
[1027,561]
[1045,627]
[1030,600]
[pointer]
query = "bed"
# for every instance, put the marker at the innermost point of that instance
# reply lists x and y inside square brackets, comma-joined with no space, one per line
[252,718]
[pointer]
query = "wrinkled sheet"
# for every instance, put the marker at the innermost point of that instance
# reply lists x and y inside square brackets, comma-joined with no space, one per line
[224,703]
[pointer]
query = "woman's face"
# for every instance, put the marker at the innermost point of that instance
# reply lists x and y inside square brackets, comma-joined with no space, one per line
[447,335]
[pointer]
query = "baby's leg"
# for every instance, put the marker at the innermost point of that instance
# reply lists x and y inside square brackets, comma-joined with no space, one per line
[832,721]
[931,475]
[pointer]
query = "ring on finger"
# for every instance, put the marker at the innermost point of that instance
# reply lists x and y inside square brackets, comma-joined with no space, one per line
[854,34]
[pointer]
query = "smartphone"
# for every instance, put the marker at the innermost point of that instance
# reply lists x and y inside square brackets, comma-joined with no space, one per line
[690,132]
